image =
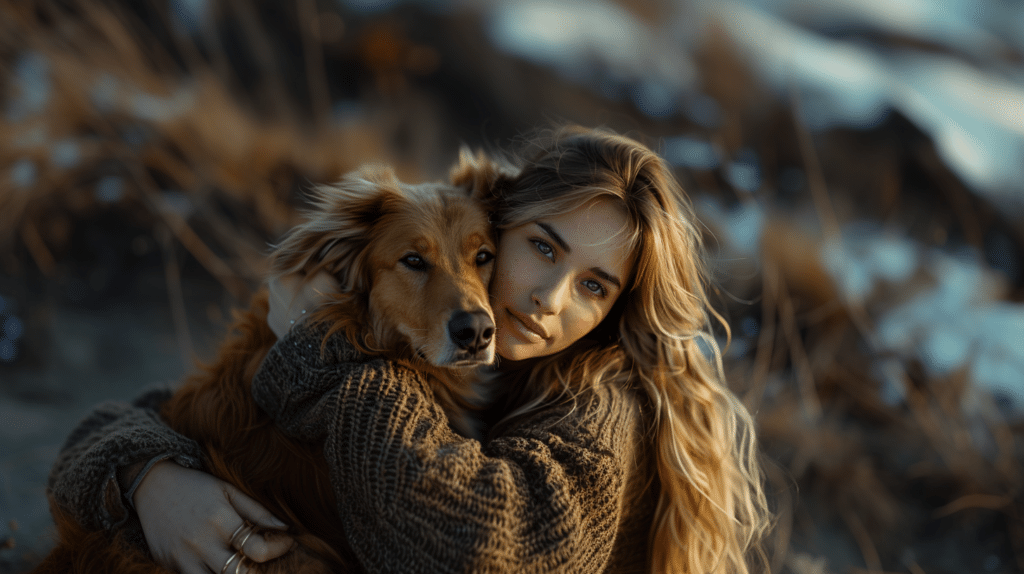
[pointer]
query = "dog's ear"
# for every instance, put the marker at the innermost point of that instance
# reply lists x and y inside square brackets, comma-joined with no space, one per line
[481,176]
[339,228]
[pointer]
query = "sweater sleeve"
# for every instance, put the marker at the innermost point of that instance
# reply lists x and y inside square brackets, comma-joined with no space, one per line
[545,496]
[83,479]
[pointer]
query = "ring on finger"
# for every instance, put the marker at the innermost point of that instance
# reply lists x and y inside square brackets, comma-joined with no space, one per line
[241,545]
[245,525]
[238,567]
[237,555]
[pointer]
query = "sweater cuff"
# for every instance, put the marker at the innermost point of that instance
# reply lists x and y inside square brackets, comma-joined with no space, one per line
[130,492]
[84,478]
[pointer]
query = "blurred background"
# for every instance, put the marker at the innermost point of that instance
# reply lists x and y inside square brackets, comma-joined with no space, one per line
[858,166]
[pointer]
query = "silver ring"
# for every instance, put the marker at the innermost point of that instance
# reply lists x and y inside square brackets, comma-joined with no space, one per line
[230,558]
[241,545]
[238,567]
[239,530]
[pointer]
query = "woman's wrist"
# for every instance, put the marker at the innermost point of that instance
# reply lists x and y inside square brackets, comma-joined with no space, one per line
[292,298]
[130,477]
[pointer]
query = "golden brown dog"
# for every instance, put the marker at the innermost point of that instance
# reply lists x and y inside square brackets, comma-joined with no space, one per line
[413,264]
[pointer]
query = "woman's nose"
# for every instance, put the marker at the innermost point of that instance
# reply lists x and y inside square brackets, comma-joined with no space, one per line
[550,299]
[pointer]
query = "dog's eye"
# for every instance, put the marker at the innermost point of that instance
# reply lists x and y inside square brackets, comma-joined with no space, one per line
[414,261]
[484,257]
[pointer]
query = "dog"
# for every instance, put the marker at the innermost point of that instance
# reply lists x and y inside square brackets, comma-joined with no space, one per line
[412,264]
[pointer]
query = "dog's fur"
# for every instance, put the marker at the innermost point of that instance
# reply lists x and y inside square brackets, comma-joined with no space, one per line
[361,231]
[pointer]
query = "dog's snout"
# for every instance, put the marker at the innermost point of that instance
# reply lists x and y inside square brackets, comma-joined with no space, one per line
[471,331]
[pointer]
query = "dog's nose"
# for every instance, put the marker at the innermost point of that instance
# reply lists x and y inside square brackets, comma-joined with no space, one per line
[471,331]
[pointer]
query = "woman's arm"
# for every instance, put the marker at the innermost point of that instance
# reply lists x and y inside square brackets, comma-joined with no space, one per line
[177,512]
[543,497]
[113,440]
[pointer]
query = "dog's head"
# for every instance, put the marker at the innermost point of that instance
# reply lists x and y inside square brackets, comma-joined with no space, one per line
[413,263]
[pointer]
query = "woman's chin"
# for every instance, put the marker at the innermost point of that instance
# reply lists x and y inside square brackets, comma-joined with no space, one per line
[511,353]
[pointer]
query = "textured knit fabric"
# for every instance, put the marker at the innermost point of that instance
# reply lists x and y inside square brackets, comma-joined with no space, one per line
[83,480]
[566,490]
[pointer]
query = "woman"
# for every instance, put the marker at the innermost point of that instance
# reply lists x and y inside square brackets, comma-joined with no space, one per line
[616,445]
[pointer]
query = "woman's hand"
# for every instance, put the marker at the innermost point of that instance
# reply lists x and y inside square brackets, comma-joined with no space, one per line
[193,522]
[292,299]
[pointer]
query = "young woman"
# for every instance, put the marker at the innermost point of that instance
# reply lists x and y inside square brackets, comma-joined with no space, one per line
[615,446]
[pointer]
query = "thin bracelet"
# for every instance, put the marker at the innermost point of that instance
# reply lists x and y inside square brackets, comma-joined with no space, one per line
[138,478]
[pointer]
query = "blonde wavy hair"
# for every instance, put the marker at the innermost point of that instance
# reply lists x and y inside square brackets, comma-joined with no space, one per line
[712,512]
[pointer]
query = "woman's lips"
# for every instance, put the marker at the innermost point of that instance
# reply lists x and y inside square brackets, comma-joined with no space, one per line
[528,326]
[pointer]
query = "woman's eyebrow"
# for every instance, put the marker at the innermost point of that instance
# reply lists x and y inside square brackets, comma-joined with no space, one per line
[606,276]
[555,236]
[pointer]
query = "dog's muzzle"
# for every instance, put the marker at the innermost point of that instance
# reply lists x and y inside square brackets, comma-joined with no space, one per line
[471,332]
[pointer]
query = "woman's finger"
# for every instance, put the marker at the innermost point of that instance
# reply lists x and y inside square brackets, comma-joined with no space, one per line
[280,297]
[251,510]
[265,543]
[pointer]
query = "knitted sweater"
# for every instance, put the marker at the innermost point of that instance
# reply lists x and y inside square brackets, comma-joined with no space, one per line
[568,489]
[83,479]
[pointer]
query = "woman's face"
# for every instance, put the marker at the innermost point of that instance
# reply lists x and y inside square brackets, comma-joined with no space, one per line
[557,278]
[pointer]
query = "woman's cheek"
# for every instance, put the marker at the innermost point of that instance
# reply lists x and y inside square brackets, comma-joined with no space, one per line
[598,312]
[519,274]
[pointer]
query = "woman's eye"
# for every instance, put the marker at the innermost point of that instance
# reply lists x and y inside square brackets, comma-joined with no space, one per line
[594,287]
[484,257]
[414,261]
[543,247]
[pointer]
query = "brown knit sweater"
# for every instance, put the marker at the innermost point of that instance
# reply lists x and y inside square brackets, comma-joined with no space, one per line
[564,490]
[568,489]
